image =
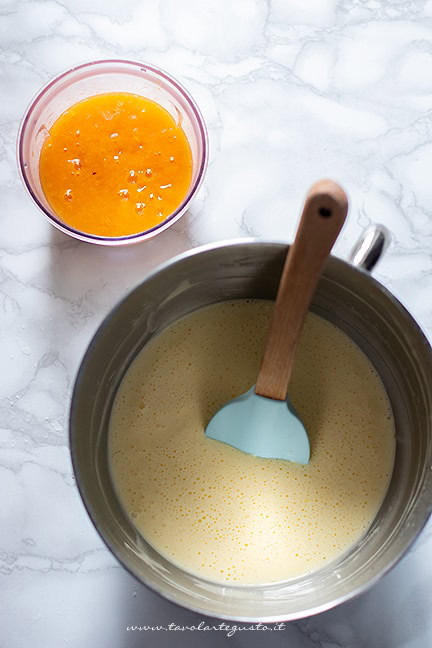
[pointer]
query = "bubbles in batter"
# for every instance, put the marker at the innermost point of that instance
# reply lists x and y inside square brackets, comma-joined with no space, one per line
[223,514]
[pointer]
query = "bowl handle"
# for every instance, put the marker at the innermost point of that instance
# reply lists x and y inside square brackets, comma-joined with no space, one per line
[369,248]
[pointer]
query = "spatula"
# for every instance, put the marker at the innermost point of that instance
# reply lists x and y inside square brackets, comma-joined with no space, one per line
[263,422]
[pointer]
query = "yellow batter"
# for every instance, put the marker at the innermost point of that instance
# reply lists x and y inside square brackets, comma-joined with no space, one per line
[218,512]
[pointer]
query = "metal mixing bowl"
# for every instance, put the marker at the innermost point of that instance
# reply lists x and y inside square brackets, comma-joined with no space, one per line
[347,296]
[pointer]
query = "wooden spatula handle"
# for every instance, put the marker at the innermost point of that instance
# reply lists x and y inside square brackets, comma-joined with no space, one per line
[322,219]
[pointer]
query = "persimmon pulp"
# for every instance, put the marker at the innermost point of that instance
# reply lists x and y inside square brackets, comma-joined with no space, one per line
[115,164]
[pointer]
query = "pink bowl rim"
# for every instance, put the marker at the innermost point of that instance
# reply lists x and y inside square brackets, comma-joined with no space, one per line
[130,238]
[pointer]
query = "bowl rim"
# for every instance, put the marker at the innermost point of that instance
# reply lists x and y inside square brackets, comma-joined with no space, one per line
[266,618]
[193,189]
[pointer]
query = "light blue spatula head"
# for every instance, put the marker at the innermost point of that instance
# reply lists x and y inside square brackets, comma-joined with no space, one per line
[261,426]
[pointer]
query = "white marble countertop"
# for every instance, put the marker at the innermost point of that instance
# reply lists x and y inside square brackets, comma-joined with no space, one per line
[291,91]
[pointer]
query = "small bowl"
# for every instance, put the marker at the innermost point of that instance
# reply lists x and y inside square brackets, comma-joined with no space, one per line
[100,77]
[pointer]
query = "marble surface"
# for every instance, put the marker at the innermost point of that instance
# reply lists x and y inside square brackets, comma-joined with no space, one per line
[291,91]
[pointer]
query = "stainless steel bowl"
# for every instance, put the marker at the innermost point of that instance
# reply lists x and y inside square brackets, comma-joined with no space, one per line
[347,296]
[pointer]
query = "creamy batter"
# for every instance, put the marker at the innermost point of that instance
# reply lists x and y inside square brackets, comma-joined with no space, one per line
[218,512]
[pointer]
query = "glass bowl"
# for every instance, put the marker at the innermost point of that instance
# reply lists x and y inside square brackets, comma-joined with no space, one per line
[100,77]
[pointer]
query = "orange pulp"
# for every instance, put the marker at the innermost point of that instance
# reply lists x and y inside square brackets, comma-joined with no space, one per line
[115,164]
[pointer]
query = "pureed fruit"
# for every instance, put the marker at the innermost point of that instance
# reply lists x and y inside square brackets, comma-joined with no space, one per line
[115,164]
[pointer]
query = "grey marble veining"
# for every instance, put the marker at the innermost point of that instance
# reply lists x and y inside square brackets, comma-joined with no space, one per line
[291,91]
